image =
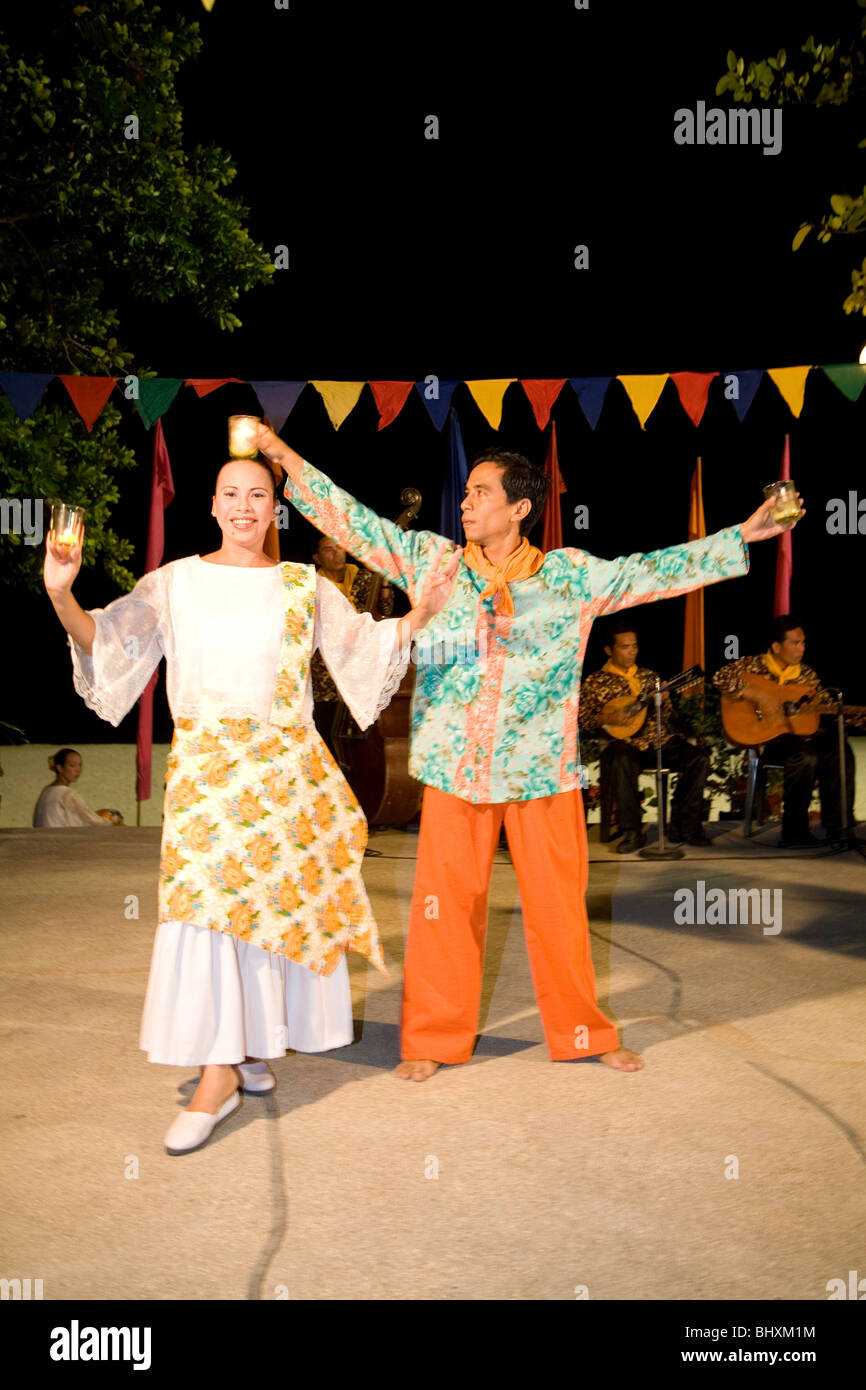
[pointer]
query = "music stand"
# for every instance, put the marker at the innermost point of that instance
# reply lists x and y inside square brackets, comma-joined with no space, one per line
[661,850]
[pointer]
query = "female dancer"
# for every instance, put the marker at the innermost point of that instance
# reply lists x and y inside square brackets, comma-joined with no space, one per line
[260,889]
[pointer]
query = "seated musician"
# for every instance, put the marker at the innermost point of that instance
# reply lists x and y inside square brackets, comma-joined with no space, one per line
[803,758]
[356,583]
[623,758]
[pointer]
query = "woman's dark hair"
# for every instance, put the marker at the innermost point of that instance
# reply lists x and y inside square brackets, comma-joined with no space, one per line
[59,759]
[520,479]
[260,463]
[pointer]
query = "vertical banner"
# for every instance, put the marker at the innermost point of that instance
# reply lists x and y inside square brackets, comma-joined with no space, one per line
[693,637]
[450,521]
[784,551]
[551,534]
[161,493]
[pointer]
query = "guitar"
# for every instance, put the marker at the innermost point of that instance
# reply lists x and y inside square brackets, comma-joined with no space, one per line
[783,709]
[625,714]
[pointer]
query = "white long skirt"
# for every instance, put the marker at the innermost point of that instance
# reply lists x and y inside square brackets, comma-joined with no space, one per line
[213,999]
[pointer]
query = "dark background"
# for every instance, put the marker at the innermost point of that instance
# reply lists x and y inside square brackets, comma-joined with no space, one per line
[455,257]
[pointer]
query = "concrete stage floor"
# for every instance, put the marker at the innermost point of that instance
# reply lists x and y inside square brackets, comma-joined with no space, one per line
[509,1178]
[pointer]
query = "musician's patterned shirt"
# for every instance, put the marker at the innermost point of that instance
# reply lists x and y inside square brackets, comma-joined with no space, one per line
[323,685]
[602,686]
[494,713]
[731,678]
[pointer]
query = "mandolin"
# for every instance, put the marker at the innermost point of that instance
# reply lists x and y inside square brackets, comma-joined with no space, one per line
[625,714]
[783,709]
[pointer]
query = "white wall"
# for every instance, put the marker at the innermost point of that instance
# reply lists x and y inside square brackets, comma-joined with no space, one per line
[107,779]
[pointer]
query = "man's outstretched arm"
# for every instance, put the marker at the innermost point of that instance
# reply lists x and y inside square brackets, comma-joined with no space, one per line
[403,557]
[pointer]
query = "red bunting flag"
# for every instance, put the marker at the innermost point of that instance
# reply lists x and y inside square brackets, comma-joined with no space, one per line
[390,397]
[784,549]
[541,395]
[205,384]
[693,388]
[89,394]
[551,533]
[693,638]
[161,493]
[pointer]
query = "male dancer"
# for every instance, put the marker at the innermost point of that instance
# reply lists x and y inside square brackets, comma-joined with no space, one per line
[496,739]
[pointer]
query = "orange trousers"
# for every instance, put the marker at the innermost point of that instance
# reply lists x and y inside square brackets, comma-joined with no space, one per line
[448,924]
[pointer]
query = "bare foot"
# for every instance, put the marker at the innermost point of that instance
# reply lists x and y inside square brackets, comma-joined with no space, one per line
[216,1085]
[416,1071]
[622,1060]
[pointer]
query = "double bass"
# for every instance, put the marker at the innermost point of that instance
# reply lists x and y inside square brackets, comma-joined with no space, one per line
[375,761]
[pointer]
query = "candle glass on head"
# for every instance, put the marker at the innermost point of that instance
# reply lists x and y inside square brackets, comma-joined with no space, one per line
[67,524]
[242,436]
[786,506]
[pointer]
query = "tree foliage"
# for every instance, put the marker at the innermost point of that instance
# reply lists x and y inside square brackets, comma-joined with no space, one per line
[821,74]
[100,206]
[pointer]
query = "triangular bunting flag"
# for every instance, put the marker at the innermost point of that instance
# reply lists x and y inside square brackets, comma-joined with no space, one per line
[437,404]
[488,395]
[644,392]
[340,398]
[541,394]
[849,377]
[205,384]
[155,395]
[791,382]
[693,388]
[454,491]
[591,391]
[25,390]
[740,388]
[88,395]
[390,397]
[278,399]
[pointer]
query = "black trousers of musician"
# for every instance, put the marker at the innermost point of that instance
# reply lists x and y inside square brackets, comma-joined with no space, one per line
[623,763]
[805,759]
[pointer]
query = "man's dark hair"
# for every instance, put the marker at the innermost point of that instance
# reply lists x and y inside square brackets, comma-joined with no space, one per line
[520,479]
[782,625]
[616,627]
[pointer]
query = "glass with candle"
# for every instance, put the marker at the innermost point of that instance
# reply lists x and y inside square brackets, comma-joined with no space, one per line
[67,524]
[242,436]
[786,506]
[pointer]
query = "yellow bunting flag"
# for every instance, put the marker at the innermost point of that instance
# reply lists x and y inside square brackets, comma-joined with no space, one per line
[644,392]
[791,382]
[340,398]
[488,397]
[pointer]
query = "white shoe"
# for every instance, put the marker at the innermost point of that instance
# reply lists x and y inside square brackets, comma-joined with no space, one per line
[193,1128]
[256,1078]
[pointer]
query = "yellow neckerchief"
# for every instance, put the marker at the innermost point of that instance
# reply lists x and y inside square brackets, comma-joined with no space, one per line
[785,673]
[344,584]
[630,675]
[521,563]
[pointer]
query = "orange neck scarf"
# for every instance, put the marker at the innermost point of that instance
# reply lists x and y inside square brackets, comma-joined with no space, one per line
[785,673]
[630,675]
[526,560]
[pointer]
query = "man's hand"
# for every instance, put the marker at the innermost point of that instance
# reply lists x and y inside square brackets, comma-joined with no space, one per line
[761,526]
[436,589]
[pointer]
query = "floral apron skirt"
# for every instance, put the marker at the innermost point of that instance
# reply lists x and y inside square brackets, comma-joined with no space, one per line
[262,836]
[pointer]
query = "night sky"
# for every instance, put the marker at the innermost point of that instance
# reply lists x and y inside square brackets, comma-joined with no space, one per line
[455,257]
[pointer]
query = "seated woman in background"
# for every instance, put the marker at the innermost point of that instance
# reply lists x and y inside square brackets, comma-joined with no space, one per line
[58,804]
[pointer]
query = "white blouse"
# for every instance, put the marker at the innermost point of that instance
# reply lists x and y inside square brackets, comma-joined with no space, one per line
[61,806]
[220,628]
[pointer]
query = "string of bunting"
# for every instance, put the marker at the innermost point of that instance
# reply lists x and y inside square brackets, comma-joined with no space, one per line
[153,396]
